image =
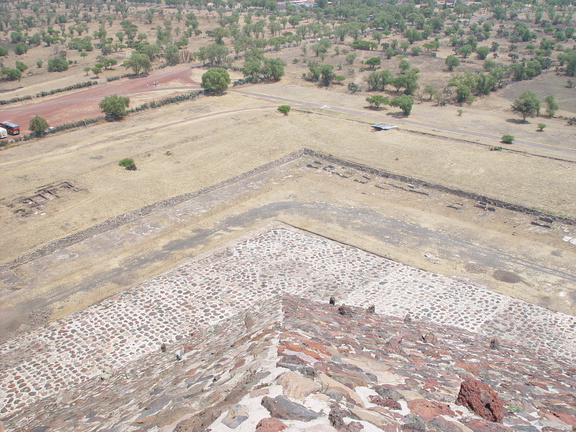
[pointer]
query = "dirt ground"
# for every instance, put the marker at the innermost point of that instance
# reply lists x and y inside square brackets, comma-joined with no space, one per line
[196,144]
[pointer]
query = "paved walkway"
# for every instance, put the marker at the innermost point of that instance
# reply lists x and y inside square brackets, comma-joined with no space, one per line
[203,292]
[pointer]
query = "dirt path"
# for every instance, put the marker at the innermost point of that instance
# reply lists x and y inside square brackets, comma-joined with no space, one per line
[83,104]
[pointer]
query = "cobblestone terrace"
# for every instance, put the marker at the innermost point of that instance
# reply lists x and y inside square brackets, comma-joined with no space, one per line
[199,294]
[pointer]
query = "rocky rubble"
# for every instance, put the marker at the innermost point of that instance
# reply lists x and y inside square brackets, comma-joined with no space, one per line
[303,365]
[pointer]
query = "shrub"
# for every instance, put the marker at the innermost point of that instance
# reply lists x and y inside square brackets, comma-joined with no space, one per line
[128,163]
[57,64]
[541,127]
[284,109]
[21,48]
[507,139]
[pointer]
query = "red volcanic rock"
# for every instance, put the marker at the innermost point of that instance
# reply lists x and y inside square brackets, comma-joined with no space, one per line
[428,410]
[473,369]
[559,416]
[480,398]
[270,425]
[387,403]
[394,345]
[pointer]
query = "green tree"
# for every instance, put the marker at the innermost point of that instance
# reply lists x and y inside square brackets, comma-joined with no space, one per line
[551,105]
[114,106]
[213,54]
[327,74]
[21,48]
[377,100]
[138,62]
[11,74]
[465,50]
[252,68]
[38,125]
[21,66]
[172,55]
[373,62]
[507,139]
[57,64]
[429,90]
[353,87]
[404,65]
[527,104]
[404,102]
[482,52]
[273,68]
[3,51]
[568,60]
[216,79]
[284,109]
[452,62]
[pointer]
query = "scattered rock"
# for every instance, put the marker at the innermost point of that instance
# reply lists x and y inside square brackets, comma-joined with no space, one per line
[237,414]
[413,422]
[472,368]
[441,425]
[345,311]
[296,386]
[387,403]
[408,318]
[163,347]
[270,424]
[478,425]
[336,417]
[248,321]
[354,426]
[480,398]
[429,338]
[494,344]
[371,309]
[387,393]
[333,386]
[394,345]
[332,301]
[429,410]
[283,408]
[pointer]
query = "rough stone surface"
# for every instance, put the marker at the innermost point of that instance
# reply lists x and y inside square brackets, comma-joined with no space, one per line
[297,386]
[429,410]
[51,377]
[283,408]
[481,399]
[270,425]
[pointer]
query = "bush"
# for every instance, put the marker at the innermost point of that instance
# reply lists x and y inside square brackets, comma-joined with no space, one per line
[21,66]
[114,106]
[38,125]
[284,109]
[57,64]
[128,163]
[507,139]
[541,127]
[21,48]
